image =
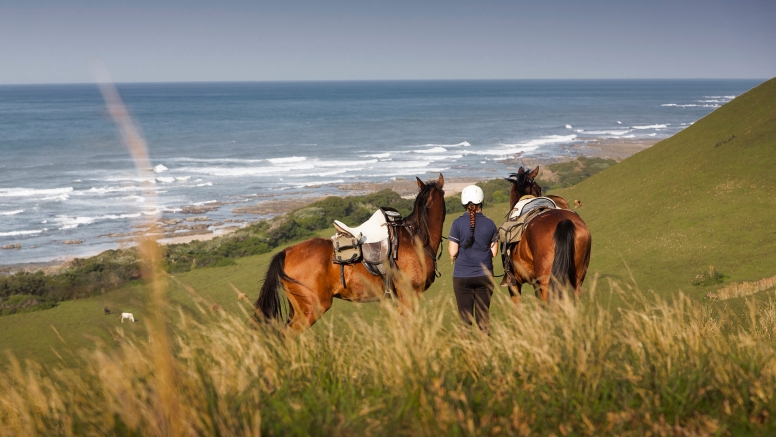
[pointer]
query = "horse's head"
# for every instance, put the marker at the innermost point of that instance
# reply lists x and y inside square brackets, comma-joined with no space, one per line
[431,193]
[523,184]
[429,210]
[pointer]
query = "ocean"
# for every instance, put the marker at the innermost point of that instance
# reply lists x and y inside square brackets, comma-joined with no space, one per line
[65,174]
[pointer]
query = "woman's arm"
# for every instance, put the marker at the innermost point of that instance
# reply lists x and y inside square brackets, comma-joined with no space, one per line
[452,248]
[494,248]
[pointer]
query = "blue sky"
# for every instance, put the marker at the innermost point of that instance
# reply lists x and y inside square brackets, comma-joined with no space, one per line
[142,41]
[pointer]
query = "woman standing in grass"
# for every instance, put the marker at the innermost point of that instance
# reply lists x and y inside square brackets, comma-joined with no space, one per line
[473,244]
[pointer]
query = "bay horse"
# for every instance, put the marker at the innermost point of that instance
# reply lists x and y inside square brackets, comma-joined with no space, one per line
[311,281]
[554,252]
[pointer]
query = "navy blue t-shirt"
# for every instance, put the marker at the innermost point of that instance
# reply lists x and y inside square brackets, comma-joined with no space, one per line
[470,261]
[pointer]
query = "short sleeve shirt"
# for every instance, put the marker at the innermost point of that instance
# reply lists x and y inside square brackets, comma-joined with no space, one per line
[476,260]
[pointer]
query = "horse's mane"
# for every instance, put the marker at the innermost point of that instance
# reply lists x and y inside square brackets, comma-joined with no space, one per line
[418,218]
[519,180]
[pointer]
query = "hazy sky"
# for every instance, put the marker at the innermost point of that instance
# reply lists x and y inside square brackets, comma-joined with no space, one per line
[55,41]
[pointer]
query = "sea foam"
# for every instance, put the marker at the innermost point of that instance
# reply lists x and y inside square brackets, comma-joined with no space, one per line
[651,126]
[18,211]
[287,160]
[527,146]
[437,149]
[15,233]
[603,132]
[33,192]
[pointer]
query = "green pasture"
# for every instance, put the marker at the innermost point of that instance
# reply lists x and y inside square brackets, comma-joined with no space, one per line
[80,323]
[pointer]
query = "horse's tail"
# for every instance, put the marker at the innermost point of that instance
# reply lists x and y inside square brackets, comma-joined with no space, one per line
[564,271]
[269,301]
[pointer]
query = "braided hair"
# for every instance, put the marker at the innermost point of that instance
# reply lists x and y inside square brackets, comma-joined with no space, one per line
[472,209]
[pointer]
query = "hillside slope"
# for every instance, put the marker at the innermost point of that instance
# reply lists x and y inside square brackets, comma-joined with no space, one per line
[704,197]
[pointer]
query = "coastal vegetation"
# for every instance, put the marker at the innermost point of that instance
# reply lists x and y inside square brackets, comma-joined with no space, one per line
[91,276]
[660,343]
[569,173]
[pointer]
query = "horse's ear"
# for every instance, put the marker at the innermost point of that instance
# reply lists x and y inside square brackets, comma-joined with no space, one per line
[534,173]
[441,181]
[420,183]
[520,171]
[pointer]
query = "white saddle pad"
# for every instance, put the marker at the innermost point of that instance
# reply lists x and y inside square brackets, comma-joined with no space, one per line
[526,205]
[373,230]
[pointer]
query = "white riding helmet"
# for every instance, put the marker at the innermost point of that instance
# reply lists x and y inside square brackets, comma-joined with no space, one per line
[472,194]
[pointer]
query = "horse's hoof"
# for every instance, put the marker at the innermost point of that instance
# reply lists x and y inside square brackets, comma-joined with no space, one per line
[504,282]
[516,300]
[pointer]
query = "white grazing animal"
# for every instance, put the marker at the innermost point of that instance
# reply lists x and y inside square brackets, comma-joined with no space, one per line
[128,316]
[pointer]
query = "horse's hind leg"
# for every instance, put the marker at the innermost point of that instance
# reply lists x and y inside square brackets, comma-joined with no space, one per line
[516,292]
[542,288]
[307,305]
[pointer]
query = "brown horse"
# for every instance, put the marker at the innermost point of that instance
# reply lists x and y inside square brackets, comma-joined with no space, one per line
[554,251]
[311,280]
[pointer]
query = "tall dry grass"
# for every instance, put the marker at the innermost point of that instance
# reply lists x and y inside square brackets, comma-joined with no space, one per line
[661,368]
[746,288]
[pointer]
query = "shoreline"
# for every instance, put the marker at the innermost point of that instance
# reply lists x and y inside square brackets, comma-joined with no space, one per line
[617,149]
[405,187]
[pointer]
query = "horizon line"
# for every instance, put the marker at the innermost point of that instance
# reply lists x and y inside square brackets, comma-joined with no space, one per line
[379,80]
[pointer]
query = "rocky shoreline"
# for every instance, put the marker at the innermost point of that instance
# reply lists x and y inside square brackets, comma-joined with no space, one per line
[193,223]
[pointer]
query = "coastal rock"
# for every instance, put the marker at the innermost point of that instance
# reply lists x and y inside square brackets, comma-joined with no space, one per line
[201,209]
[217,224]
[11,246]
[170,221]
[118,235]
[73,242]
[276,206]
[186,234]
[198,219]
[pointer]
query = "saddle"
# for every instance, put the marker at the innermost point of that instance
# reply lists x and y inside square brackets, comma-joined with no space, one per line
[511,231]
[373,243]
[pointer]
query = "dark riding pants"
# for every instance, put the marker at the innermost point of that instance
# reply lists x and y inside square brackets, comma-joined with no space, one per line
[471,293]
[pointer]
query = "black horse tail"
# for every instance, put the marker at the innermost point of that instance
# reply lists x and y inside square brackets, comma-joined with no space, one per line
[564,271]
[269,302]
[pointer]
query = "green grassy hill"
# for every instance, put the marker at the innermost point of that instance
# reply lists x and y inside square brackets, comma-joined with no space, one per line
[704,197]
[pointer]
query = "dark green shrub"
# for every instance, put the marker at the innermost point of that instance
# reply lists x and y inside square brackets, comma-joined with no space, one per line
[709,277]
[25,303]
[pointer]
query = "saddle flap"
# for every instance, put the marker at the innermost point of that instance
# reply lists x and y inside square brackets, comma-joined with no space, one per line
[511,231]
[376,253]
